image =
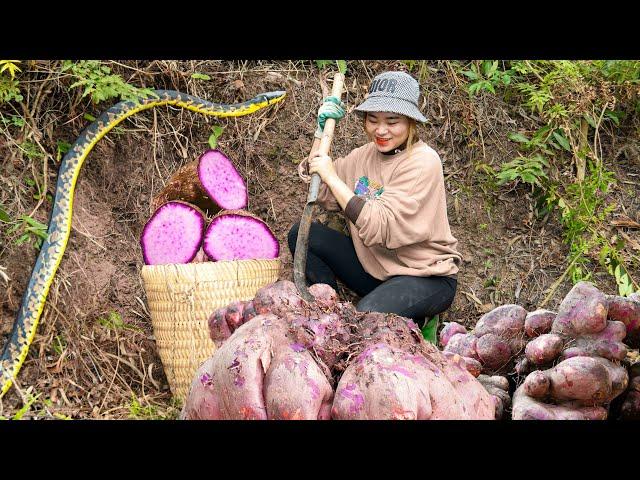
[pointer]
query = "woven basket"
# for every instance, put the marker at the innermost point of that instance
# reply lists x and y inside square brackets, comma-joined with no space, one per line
[182,297]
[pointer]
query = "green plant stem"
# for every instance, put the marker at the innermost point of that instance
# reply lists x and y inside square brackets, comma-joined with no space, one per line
[557,283]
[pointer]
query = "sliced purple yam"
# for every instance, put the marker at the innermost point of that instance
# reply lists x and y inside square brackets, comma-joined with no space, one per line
[238,235]
[173,234]
[222,182]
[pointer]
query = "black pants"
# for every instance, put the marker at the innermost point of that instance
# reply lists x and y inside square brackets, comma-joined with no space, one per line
[331,254]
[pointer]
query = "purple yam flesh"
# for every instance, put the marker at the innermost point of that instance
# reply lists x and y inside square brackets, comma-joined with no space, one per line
[222,181]
[232,236]
[173,234]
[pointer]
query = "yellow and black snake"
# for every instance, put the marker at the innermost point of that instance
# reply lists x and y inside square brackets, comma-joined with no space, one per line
[24,328]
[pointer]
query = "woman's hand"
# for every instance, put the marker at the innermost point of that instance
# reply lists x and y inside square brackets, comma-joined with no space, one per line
[323,166]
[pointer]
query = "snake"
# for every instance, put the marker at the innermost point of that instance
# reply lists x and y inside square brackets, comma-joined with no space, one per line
[59,228]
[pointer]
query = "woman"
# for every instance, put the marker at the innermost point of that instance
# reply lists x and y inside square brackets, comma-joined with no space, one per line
[401,257]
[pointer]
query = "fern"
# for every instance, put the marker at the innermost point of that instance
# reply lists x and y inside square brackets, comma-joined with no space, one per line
[98,81]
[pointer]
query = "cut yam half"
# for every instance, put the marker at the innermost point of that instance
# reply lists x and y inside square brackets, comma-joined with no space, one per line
[173,234]
[222,182]
[238,235]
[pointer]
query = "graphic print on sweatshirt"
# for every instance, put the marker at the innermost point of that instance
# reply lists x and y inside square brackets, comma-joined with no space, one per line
[368,189]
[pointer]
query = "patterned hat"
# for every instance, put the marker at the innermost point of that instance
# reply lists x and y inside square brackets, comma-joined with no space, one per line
[394,92]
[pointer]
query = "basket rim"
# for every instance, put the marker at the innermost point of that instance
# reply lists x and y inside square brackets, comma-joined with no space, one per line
[212,265]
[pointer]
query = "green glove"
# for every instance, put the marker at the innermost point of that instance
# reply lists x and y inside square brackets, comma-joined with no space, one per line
[332,107]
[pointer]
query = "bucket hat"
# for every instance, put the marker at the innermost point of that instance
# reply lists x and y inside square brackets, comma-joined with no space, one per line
[393,92]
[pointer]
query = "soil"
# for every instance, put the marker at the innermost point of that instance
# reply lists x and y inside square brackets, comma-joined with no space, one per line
[94,354]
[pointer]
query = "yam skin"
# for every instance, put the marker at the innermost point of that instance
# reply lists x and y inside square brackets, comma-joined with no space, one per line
[506,321]
[296,387]
[529,408]
[539,322]
[284,362]
[494,352]
[627,311]
[589,380]
[574,336]
[583,310]
[224,321]
[448,330]
[464,344]
[387,383]
[277,298]
[606,343]
[588,348]
[496,340]
[474,367]
[323,294]
[498,388]
[325,335]
[544,349]
[219,330]
[258,373]
[185,185]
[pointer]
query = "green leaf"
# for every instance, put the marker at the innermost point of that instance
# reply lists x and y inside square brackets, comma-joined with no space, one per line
[430,329]
[22,239]
[322,63]
[590,120]
[88,116]
[470,74]
[517,137]
[17,121]
[617,272]
[217,130]
[63,147]
[342,66]
[613,117]
[4,216]
[200,76]
[32,222]
[213,138]
[562,140]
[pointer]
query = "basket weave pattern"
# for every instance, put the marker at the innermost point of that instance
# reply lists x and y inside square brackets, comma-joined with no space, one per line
[182,297]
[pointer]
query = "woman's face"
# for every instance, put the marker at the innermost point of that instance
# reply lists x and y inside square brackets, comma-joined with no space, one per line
[387,130]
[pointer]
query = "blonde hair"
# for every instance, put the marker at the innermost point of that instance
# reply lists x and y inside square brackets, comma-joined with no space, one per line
[413,130]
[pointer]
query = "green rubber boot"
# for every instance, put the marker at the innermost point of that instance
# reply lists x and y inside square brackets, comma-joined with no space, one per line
[430,329]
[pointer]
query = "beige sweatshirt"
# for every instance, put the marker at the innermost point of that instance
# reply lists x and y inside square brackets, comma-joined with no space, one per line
[401,225]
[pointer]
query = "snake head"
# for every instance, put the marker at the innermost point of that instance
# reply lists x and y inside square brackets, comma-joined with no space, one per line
[271,97]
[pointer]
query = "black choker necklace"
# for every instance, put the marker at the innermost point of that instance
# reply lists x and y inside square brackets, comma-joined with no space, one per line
[396,150]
